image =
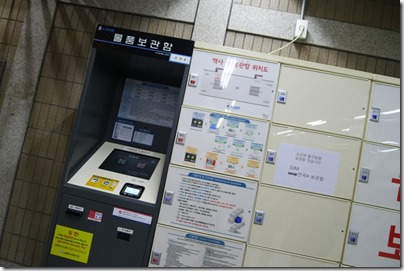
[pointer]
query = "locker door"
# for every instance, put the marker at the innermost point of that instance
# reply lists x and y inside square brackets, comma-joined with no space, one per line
[322,101]
[311,161]
[374,238]
[300,223]
[379,176]
[259,257]
[384,115]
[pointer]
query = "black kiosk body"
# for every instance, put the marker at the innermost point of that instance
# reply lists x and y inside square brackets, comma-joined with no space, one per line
[109,196]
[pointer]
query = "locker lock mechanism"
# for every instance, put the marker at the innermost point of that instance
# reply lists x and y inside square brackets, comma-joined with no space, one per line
[353,237]
[259,217]
[375,114]
[364,175]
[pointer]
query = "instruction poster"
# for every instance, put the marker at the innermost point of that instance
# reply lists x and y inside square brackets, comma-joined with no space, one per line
[216,205]
[232,84]
[71,244]
[176,248]
[221,143]
[306,168]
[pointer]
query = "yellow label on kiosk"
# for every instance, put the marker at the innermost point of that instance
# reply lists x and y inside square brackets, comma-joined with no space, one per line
[102,183]
[71,244]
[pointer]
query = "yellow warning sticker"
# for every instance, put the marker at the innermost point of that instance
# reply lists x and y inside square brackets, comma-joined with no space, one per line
[71,244]
[102,183]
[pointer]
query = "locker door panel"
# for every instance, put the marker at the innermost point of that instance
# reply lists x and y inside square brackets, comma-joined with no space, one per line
[384,115]
[379,176]
[322,101]
[259,257]
[374,237]
[326,164]
[300,223]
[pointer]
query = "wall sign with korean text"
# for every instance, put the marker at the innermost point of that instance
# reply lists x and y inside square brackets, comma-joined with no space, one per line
[220,142]
[145,44]
[209,203]
[232,84]
[307,169]
[177,248]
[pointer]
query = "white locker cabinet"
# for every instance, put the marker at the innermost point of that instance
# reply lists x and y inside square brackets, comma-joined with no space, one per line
[300,223]
[379,176]
[222,143]
[322,101]
[373,238]
[311,161]
[232,84]
[260,257]
[384,115]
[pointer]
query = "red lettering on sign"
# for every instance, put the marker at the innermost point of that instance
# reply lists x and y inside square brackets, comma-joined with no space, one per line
[392,235]
[395,180]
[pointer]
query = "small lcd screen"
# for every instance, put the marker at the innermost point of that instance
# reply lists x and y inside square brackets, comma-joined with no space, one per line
[129,163]
[132,190]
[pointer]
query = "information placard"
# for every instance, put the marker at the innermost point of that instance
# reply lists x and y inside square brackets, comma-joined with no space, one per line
[232,84]
[176,248]
[221,143]
[72,244]
[306,168]
[208,203]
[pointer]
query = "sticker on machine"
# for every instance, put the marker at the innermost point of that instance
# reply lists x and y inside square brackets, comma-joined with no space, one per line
[134,216]
[177,248]
[71,244]
[308,169]
[102,183]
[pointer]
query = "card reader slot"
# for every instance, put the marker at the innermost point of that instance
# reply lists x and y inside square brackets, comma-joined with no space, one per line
[123,236]
[75,210]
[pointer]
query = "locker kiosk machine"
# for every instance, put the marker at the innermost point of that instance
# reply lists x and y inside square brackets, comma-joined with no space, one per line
[118,156]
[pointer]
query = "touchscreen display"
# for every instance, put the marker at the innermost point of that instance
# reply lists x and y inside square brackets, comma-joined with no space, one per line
[129,163]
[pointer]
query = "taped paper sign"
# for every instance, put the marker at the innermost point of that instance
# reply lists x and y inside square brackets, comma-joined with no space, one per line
[307,169]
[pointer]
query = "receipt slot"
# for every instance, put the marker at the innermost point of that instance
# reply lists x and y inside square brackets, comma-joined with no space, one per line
[111,187]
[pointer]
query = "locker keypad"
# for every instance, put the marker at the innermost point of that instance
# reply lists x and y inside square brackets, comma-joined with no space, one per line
[374,116]
[364,175]
[259,217]
[353,237]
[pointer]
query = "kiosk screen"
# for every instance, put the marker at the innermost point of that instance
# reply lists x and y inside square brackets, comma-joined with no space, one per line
[129,163]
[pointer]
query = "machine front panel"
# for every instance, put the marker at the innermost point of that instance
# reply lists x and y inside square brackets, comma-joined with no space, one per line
[113,166]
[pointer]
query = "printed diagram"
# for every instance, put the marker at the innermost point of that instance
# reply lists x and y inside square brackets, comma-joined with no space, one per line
[236,220]
[232,144]
[221,83]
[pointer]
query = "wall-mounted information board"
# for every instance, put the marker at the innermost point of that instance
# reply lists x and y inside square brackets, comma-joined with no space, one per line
[232,84]
[220,142]
[210,203]
[177,248]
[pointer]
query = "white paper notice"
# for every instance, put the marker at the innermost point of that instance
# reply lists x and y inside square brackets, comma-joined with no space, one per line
[175,248]
[306,168]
